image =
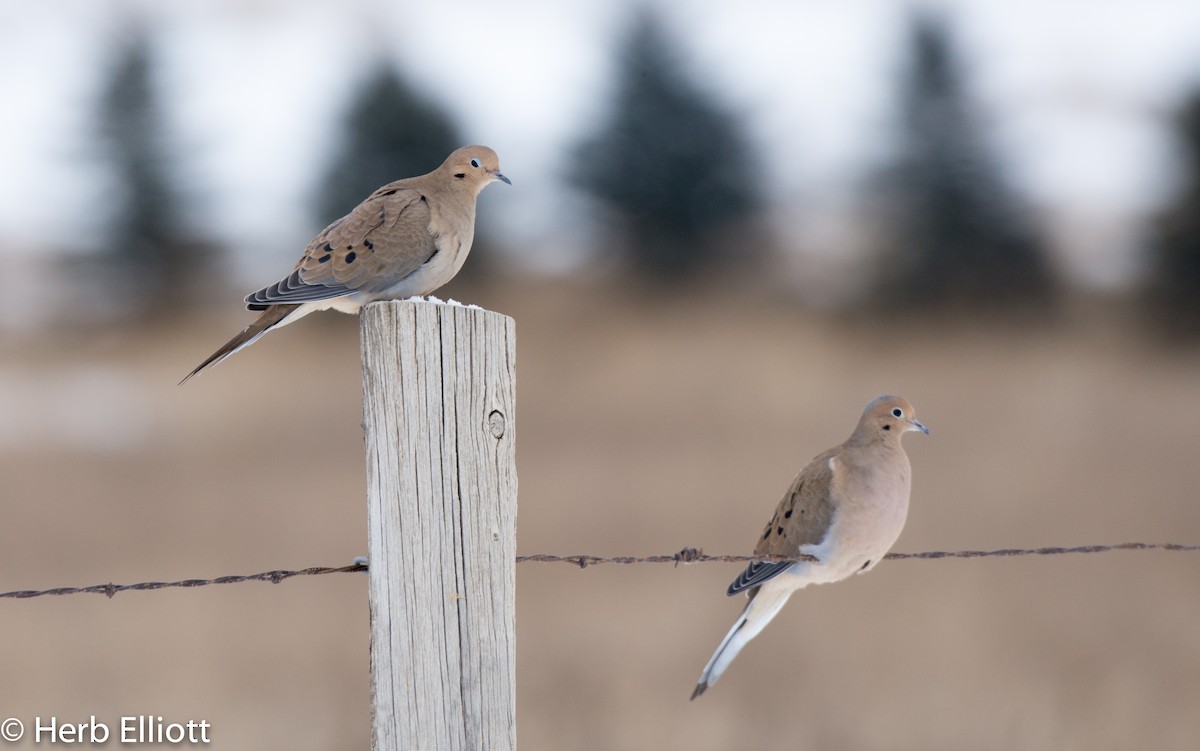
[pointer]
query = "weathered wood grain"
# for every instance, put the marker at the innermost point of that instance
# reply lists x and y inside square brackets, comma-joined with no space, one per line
[438,411]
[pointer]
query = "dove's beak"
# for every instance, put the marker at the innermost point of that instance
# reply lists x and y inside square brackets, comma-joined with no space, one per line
[918,426]
[500,176]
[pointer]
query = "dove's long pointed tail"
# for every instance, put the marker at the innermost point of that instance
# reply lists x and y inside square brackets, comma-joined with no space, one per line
[758,613]
[273,316]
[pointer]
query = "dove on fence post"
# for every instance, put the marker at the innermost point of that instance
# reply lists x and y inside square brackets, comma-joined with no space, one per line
[846,509]
[407,238]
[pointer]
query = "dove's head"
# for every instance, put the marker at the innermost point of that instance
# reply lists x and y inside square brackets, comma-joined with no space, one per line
[888,417]
[474,167]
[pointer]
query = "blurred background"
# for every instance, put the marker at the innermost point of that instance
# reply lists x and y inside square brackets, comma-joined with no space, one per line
[731,226]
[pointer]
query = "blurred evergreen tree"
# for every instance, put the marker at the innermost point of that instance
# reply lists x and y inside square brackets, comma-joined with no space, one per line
[1173,292]
[671,166]
[148,246]
[954,233]
[390,131]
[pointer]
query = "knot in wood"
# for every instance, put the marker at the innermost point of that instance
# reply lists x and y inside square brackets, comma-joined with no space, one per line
[496,423]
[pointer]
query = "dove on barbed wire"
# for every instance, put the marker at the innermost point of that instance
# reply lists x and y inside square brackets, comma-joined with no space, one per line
[407,238]
[846,509]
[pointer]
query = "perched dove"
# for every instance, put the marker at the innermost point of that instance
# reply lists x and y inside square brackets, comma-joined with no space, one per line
[846,508]
[407,238]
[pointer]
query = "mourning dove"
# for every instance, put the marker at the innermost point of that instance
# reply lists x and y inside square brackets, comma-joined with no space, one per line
[846,509]
[407,238]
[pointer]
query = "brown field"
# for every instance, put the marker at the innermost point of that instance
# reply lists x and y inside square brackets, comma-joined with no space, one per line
[643,428]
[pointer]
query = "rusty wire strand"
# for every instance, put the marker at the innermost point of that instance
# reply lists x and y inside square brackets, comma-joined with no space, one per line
[695,555]
[109,590]
[686,555]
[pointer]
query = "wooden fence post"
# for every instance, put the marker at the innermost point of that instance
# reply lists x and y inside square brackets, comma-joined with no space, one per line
[438,410]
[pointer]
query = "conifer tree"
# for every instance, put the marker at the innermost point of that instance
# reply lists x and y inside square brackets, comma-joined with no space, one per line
[955,234]
[148,245]
[671,167]
[390,131]
[1173,291]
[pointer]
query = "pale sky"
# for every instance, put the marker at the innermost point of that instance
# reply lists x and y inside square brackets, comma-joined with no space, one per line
[1077,94]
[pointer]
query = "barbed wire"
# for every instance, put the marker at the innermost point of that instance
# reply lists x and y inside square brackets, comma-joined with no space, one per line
[109,590]
[695,555]
[686,555]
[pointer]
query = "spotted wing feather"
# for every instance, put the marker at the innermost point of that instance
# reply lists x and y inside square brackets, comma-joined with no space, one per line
[384,239]
[801,518]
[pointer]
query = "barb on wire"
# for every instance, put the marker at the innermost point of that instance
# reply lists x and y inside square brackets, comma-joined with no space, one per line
[686,555]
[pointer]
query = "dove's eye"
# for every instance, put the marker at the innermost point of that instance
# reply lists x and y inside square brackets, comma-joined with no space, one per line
[476,163]
[897,412]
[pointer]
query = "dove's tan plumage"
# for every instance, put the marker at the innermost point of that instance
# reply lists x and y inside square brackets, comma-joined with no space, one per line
[407,238]
[846,508]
